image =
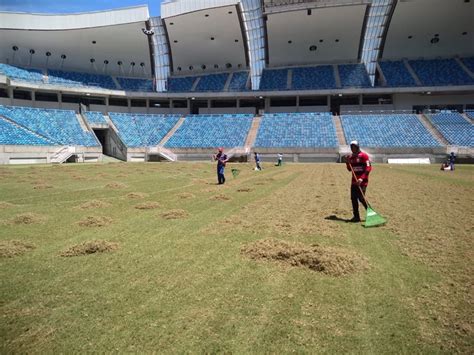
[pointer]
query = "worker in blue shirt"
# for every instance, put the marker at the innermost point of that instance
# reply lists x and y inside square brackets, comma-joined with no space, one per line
[257,161]
[221,162]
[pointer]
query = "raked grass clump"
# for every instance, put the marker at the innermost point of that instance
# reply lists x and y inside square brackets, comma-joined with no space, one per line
[158,258]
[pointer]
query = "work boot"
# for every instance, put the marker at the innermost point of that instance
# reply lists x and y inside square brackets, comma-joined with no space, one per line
[354,220]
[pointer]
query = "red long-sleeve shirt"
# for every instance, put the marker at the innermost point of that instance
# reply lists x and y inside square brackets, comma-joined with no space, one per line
[362,167]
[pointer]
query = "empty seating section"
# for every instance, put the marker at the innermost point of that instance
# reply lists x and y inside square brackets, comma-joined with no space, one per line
[59,126]
[136,84]
[239,81]
[211,131]
[469,63]
[313,78]
[296,130]
[14,135]
[22,74]
[470,114]
[67,78]
[274,79]
[455,128]
[181,83]
[397,130]
[396,74]
[440,72]
[95,118]
[354,76]
[142,130]
[212,82]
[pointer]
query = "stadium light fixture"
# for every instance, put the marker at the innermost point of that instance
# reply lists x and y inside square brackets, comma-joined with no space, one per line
[32,51]
[15,48]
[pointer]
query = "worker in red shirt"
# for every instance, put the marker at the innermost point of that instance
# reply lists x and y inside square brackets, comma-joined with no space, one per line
[359,162]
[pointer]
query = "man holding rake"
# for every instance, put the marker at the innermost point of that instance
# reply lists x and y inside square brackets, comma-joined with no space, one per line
[359,164]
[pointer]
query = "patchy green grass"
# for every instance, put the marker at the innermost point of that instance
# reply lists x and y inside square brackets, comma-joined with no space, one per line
[177,279]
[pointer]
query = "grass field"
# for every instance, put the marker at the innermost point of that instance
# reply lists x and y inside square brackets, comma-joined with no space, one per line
[264,263]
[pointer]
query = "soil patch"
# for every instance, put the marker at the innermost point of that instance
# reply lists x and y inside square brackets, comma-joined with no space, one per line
[220,198]
[4,205]
[42,187]
[11,248]
[92,204]
[95,221]
[115,185]
[185,195]
[91,247]
[147,205]
[175,214]
[27,218]
[327,260]
[136,195]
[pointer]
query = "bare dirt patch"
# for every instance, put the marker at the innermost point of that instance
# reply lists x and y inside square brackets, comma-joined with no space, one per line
[115,185]
[136,195]
[147,205]
[92,204]
[90,247]
[42,187]
[11,248]
[5,205]
[185,195]
[95,221]
[175,214]
[27,218]
[327,260]
[220,197]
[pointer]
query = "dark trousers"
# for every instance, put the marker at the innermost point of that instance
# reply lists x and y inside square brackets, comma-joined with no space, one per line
[356,196]
[220,178]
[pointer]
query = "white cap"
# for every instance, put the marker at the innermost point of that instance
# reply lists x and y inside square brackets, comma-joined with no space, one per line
[355,143]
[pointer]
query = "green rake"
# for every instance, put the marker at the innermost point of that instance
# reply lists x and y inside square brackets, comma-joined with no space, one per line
[372,218]
[235,172]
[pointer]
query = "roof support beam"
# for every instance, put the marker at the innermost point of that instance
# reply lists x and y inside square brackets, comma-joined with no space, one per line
[160,53]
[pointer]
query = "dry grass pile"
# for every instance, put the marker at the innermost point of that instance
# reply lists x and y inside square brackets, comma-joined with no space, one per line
[175,214]
[185,195]
[95,221]
[147,205]
[115,185]
[327,260]
[220,197]
[27,218]
[244,189]
[4,205]
[91,247]
[11,248]
[136,195]
[42,187]
[92,204]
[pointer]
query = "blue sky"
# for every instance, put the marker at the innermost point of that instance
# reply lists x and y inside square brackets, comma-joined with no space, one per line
[62,6]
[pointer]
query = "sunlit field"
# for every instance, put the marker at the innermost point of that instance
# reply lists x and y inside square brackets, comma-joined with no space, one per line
[157,257]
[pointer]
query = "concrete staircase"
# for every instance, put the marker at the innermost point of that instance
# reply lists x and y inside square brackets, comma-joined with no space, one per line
[252,135]
[412,72]
[171,132]
[61,155]
[339,131]
[432,129]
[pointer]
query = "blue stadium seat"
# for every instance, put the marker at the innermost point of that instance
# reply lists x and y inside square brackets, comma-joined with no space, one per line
[313,78]
[132,84]
[296,130]
[212,82]
[15,135]
[239,81]
[95,118]
[353,76]
[67,78]
[454,128]
[142,130]
[387,131]
[181,84]
[397,74]
[469,63]
[274,79]
[438,72]
[23,74]
[58,126]
[211,131]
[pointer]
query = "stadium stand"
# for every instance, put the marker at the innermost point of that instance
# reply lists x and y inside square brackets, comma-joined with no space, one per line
[454,128]
[313,78]
[68,78]
[440,72]
[22,74]
[469,63]
[132,84]
[274,79]
[390,130]
[239,81]
[211,131]
[470,114]
[95,118]
[396,74]
[59,126]
[296,130]
[181,83]
[142,130]
[212,82]
[353,76]
[17,135]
